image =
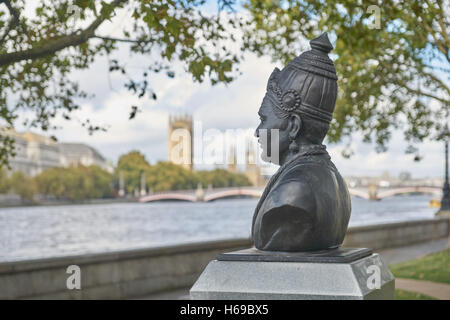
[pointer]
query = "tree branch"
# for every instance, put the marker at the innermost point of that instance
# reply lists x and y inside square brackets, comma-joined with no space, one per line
[58,44]
[403,84]
[436,79]
[122,40]
[429,95]
[432,76]
[14,13]
[15,18]
[441,47]
[442,25]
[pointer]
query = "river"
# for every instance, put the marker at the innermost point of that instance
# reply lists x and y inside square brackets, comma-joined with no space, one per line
[47,231]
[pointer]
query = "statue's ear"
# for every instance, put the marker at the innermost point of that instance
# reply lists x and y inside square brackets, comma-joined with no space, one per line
[295,124]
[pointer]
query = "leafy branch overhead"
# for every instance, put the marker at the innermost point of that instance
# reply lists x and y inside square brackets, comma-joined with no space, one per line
[40,51]
[394,76]
[392,59]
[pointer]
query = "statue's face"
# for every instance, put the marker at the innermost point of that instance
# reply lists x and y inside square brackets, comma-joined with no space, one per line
[268,122]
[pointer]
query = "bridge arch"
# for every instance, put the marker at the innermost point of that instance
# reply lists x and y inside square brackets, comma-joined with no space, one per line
[190,195]
[358,193]
[168,196]
[233,193]
[397,191]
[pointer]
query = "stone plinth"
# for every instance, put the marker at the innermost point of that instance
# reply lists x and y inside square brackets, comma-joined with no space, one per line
[285,278]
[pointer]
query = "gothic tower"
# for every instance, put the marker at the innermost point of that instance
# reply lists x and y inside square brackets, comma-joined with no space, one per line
[181,141]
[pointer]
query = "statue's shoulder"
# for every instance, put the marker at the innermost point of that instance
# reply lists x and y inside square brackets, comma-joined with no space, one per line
[292,190]
[299,184]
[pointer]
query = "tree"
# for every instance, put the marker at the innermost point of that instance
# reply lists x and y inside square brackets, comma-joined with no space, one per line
[4,181]
[392,60]
[132,165]
[38,54]
[165,176]
[102,183]
[61,183]
[22,185]
[75,183]
[220,178]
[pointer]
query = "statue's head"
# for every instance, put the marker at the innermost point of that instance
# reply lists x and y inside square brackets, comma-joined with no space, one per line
[299,101]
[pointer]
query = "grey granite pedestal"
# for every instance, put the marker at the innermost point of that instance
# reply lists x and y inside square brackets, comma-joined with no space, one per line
[333,274]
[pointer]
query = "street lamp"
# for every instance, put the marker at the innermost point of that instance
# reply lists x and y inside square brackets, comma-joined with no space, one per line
[445,202]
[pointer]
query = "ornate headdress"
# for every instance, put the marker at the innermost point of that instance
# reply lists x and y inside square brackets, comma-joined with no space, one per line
[308,84]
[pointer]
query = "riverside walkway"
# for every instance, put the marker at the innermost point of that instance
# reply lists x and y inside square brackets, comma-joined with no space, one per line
[436,290]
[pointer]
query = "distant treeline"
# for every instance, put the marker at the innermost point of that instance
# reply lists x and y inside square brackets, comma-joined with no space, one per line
[81,182]
[168,176]
[72,183]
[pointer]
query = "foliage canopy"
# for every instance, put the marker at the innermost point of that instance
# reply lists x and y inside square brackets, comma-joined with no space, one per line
[165,176]
[392,59]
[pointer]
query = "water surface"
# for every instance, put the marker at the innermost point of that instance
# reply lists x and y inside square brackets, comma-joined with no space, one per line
[47,231]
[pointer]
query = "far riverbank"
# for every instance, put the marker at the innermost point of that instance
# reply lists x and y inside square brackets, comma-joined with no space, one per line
[11,201]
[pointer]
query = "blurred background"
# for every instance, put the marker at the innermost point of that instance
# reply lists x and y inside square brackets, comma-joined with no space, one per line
[127,147]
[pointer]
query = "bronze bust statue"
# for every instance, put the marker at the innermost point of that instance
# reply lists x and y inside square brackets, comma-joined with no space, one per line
[301,219]
[306,204]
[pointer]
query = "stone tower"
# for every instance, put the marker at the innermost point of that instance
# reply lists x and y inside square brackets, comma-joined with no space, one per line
[181,140]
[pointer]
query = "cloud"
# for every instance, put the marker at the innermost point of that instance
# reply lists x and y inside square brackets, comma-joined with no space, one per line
[367,162]
[147,132]
[235,105]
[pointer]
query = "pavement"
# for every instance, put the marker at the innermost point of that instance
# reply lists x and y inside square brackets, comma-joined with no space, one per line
[389,256]
[436,290]
[402,254]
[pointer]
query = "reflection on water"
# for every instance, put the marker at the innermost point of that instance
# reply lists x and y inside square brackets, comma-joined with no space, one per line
[35,232]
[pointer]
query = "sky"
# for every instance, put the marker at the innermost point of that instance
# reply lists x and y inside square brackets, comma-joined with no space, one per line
[221,107]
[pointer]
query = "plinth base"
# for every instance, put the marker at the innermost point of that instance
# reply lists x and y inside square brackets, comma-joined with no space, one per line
[337,255]
[443,213]
[364,278]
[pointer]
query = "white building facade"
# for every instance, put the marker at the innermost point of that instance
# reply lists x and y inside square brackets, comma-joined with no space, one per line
[36,153]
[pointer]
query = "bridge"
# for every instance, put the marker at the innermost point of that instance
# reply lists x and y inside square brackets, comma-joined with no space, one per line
[201,195]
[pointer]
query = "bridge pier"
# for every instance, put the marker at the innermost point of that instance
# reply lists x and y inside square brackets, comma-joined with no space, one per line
[199,193]
[373,192]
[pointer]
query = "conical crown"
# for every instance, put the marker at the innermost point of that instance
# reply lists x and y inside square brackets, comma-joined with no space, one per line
[308,84]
